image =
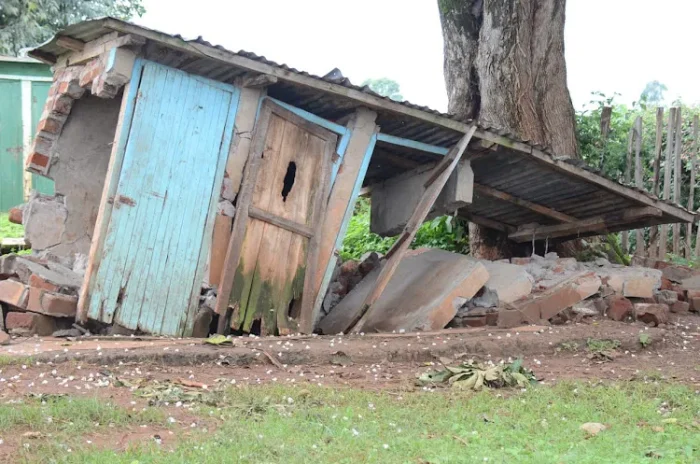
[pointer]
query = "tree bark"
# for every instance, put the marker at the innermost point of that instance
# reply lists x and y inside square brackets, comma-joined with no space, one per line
[504,67]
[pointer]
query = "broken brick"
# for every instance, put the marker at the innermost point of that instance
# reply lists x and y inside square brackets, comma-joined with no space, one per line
[32,323]
[680,307]
[35,280]
[13,293]
[61,104]
[71,88]
[51,304]
[509,318]
[619,307]
[654,314]
[15,215]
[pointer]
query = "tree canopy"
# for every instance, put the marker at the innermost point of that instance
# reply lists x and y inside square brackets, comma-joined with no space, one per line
[27,23]
[385,87]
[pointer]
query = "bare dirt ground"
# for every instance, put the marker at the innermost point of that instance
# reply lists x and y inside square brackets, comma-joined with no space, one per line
[106,367]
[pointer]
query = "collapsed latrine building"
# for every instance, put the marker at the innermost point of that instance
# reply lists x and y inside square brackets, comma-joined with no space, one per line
[178,163]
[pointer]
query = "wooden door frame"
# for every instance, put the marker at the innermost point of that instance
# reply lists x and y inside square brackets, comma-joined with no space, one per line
[113,176]
[244,210]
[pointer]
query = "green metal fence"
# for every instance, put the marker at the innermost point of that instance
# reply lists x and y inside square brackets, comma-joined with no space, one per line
[24,86]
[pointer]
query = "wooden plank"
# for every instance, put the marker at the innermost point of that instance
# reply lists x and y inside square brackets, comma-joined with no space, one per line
[104,212]
[654,234]
[398,250]
[279,221]
[677,149]
[691,192]
[97,47]
[248,105]
[70,43]
[628,178]
[540,209]
[220,238]
[401,142]
[638,179]
[344,193]
[668,170]
[486,222]
[598,223]
[240,221]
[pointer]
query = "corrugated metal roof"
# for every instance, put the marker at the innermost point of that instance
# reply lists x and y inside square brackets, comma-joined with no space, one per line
[515,168]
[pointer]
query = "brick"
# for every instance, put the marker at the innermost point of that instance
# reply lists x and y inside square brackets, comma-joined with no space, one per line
[508,318]
[71,88]
[666,284]
[15,215]
[13,293]
[680,307]
[43,146]
[654,314]
[474,321]
[35,280]
[37,161]
[551,302]
[694,304]
[51,124]
[61,104]
[51,304]
[619,307]
[35,324]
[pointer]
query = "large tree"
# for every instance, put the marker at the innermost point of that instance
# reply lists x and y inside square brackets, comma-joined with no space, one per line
[27,23]
[505,67]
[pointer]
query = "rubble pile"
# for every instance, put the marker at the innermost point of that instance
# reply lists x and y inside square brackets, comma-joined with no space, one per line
[544,290]
[39,297]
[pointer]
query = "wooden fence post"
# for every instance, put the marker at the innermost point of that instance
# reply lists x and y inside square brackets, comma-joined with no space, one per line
[628,181]
[691,192]
[605,116]
[654,234]
[638,178]
[663,240]
[677,148]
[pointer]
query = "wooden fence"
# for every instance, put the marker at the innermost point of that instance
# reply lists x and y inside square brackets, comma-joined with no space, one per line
[655,243]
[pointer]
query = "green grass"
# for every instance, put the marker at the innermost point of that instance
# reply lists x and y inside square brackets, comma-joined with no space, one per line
[323,425]
[7,360]
[8,229]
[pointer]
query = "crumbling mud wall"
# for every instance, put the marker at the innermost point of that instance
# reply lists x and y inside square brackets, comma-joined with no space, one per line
[61,227]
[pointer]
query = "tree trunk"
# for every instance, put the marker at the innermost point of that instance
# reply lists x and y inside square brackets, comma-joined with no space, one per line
[505,67]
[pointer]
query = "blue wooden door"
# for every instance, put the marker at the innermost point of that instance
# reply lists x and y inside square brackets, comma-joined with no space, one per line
[151,265]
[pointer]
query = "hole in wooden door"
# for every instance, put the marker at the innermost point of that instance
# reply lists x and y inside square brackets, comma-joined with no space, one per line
[289,179]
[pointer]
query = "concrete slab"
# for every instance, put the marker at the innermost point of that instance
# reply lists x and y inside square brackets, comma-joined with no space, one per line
[424,294]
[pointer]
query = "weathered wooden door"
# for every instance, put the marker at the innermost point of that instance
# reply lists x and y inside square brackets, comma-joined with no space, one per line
[288,181]
[150,270]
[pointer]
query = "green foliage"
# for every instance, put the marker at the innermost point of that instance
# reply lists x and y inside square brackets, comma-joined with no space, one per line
[611,157]
[644,339]
[8,229]
[27,23]
[385,87]
[444,232]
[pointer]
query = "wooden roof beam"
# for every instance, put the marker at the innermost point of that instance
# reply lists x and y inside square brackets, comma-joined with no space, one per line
[539,209]
[596,224]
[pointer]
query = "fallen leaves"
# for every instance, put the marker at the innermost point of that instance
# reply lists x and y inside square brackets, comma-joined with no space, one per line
[471,375]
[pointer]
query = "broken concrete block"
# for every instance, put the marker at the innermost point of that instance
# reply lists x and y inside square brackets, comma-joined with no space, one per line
[637,282]
[547,304]
[30,323]
[202,323]
[521,261]
[80,263]
[691,283]
[226,208]
[585,308]
[51,304]
[680,307]
[676,273]
[424,294]
[507,282]
[227,190]
[25,266]
[654,314]
[619,307]
[14,293]
[667,297]
[44,220]
[394,200]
